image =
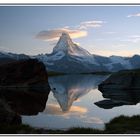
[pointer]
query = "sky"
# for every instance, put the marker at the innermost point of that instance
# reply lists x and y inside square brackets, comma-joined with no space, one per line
[102,30]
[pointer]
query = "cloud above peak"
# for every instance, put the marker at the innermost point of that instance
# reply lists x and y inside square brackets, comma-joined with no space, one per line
[51,35]
[74,32]
[134,15]
[91,24]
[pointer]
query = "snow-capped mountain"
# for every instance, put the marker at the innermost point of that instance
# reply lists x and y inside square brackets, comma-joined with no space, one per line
[66,45]
[68,57]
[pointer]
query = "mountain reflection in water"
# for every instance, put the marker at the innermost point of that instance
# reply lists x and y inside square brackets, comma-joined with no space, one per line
[68,88]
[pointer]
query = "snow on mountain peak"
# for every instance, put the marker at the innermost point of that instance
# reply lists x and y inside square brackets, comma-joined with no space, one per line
[66,45]
[65,38]
[65,34]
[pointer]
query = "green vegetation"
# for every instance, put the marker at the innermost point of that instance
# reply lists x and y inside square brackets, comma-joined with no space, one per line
[118,125]
[124,125]
[80,130]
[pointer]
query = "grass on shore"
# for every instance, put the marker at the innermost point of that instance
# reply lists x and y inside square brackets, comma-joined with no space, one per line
[124,125]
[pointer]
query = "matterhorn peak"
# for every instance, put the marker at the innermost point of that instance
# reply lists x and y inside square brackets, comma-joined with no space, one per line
[64,43]
[66,46]
[65,40]
[65,35]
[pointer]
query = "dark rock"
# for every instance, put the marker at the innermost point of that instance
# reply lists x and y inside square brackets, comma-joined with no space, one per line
[7,116]
[122,88]
[24,101]
[129,79]
[6,61]
[24,73]
[108,104]
[119,97]
[24,90]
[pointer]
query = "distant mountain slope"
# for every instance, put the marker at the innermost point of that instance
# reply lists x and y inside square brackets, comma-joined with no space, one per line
[11,57]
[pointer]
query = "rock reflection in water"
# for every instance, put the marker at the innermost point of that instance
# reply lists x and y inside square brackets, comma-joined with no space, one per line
[24,101]
[68,88]
[118,98]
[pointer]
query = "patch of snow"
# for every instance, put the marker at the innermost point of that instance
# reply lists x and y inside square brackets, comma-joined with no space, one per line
[53,57]
[57,55]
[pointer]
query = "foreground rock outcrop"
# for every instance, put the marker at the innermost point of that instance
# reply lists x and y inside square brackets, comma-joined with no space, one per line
[24,73]
[108,104]
[24,101]
[7,115]
[24,90]
[121,88]
[116,97]
[122,80]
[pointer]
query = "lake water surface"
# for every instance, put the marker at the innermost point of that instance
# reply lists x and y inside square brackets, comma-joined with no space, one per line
[75,101]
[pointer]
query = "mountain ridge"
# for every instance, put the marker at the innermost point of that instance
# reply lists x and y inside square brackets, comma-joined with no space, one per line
[68,57]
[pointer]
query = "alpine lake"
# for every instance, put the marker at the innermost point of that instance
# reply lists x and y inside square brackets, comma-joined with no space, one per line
[74,101]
